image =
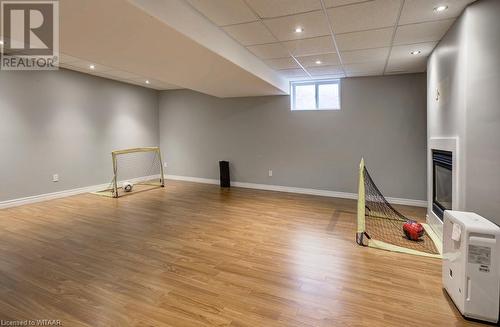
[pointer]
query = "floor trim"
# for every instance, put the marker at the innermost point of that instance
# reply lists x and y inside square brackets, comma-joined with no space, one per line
[49,196]
[267,187]
[63,194]
[299,190]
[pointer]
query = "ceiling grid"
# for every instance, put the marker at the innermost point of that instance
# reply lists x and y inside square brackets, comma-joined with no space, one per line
[394,35]
[348,37]
[291,55]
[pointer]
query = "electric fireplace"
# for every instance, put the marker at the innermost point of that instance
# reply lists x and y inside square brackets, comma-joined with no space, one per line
[442,186]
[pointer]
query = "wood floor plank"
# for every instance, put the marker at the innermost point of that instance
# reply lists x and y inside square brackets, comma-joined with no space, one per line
[196,255]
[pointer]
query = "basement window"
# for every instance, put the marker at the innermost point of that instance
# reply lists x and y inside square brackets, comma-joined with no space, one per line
[315,95]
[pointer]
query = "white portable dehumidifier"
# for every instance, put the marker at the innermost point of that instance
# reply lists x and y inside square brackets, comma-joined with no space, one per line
[471,264]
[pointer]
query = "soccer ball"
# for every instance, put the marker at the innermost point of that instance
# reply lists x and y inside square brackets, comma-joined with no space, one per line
[413,230]
[127,186]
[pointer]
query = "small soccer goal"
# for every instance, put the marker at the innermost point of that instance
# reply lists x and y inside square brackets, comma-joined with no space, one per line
[381,226]
[135,170]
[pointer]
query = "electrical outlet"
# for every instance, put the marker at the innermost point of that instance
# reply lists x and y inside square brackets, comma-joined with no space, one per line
[55,178]
[270,173]
[164,165]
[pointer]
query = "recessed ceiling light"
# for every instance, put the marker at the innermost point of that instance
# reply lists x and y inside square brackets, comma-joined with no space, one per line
[440,8]
[415,52]
[299,30]
[92,67]
[318,62]
[148,82]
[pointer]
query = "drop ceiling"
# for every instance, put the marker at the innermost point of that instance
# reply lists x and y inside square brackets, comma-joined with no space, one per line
[232,48]
[339,38]
[166,43]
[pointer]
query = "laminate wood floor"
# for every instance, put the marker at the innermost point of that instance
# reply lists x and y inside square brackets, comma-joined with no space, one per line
[195,255]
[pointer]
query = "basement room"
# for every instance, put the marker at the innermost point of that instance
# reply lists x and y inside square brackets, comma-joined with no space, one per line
[260,163]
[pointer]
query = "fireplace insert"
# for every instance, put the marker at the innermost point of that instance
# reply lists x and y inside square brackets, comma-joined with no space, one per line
[442,185]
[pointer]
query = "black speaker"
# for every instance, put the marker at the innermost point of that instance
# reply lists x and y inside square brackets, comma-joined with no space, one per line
[225,180]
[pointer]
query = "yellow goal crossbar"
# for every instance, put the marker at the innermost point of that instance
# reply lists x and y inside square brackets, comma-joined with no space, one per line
[132,150]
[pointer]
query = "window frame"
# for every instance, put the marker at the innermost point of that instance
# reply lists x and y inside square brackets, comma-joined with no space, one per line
[316,83]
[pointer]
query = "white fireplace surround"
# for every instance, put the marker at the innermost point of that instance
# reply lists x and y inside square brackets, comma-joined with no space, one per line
[444,144]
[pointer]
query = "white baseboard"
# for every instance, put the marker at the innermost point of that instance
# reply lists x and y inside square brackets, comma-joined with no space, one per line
[299,190]
[66,193]
[50,196]
[192,179]
[267,187]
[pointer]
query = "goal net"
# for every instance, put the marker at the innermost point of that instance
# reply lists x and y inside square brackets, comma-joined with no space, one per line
[380,225]
[142,167]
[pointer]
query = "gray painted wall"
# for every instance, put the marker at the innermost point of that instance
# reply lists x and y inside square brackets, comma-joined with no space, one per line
[465,65]
[483,109]
[382,119]
[446,117]
[67,123]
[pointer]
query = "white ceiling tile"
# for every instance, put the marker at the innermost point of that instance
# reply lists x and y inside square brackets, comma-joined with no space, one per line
[250,33]
[417,11]
[298,78]
[269,51]
[330,76]
[224,12]
[374,14]
[364,74]
[276,8]
[406,65]
[422,32]
[291,73]
[317,45]
[328,59]
[337,3]
[362,56]
[365,40]
[366,68]
[282,63]
[314,24]
[325,70]
[403,51]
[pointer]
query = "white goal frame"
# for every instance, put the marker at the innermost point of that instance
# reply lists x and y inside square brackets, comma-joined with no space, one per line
[112,190]
[116,153]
